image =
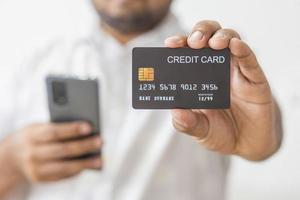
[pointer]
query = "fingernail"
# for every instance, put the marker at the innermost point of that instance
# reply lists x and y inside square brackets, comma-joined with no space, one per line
[184,118]
[219,35]
[85,129]
[196,36]
[174,39]
[98,142]
[177,119]
[179,123]
[97,163]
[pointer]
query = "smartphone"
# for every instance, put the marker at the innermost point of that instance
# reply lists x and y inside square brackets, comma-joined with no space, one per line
[72,99]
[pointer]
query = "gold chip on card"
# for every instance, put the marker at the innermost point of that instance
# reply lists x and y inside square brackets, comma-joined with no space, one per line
[146,74]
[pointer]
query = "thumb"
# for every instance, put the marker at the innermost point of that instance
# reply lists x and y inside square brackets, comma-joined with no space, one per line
[191,122]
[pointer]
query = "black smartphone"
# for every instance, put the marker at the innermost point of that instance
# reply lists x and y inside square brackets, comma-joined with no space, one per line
[72,99]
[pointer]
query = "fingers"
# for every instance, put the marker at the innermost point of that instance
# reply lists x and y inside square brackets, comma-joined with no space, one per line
[191,122]
[176,41]
[71,149]
[59,170]
[46,149]
[222,38]
[201,33]
[60,131]
[205,34]
[246,61]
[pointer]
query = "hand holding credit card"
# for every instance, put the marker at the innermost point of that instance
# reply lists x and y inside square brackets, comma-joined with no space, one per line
[215,88]
[165,78]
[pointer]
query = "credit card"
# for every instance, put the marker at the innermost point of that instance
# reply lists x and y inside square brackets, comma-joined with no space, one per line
[167,78]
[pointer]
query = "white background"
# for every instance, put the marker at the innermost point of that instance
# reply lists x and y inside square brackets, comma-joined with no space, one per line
[271,27]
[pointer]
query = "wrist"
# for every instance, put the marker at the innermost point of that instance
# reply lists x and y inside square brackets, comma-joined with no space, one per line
[10,156]
[270,138]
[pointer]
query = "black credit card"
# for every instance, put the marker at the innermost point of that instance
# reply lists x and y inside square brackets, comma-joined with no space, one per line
[166,78]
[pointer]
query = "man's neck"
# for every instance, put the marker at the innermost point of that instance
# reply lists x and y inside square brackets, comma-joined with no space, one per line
[120,37]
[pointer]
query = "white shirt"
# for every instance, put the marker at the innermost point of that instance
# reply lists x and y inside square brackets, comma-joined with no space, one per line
[144,157]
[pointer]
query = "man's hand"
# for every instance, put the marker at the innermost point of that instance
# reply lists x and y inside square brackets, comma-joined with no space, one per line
[41,152]
[251,128]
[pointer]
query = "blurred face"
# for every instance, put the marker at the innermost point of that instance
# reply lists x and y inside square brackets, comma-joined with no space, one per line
[131,16]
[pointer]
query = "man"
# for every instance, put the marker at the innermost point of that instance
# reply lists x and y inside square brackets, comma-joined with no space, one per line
[144,157]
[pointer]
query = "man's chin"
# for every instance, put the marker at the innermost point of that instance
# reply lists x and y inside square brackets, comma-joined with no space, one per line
[121,7]
[128,23]
[125,2]
[133,18]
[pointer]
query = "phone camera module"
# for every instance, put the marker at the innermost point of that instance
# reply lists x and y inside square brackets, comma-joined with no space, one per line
[59,93]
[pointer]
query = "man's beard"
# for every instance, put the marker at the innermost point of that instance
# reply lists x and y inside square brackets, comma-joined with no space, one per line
[137,22]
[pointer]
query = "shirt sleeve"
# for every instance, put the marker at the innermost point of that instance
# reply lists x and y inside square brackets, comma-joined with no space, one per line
[8,84]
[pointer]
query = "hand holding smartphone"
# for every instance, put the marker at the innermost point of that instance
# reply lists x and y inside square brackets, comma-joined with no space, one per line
[71,99]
